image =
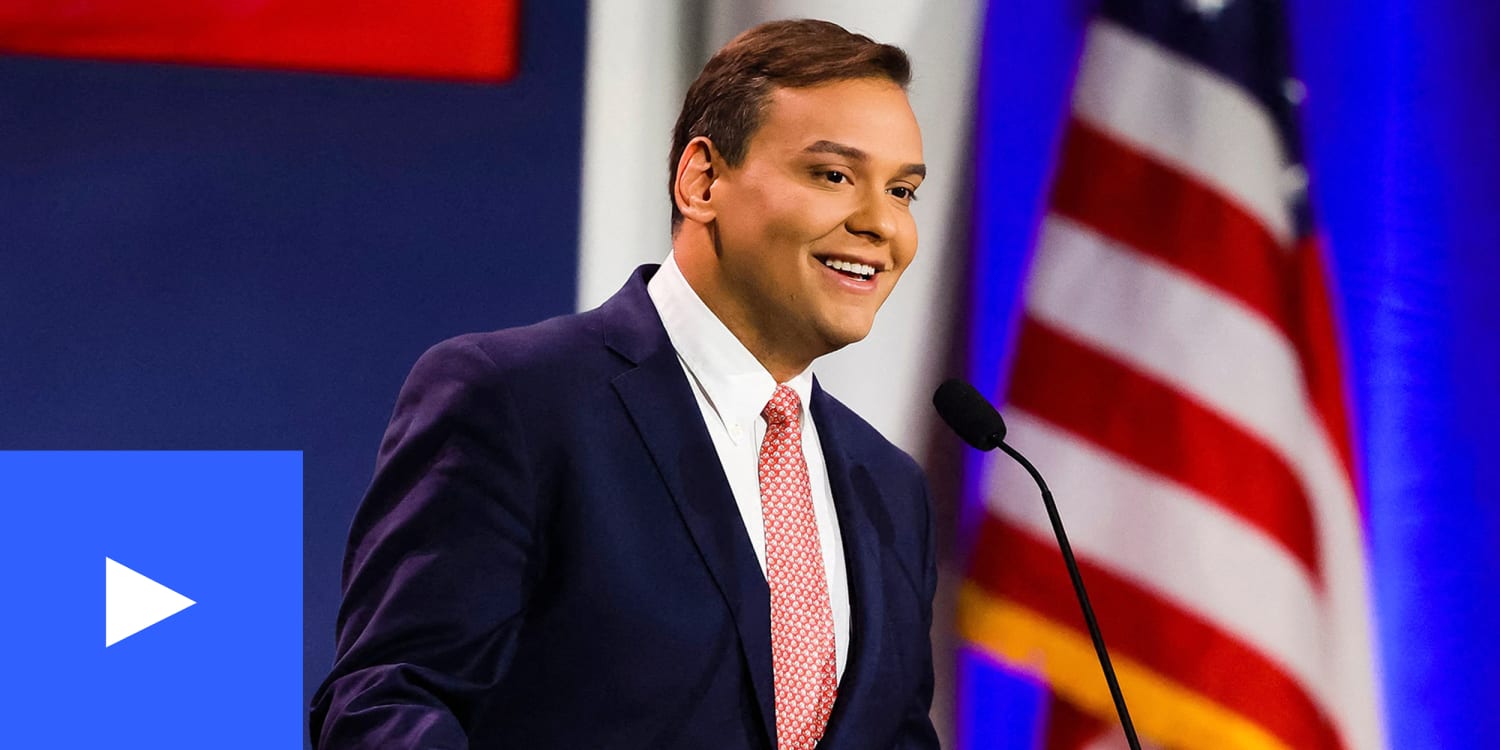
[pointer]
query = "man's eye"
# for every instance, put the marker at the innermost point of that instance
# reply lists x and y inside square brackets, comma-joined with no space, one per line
[904,193]
[835,176]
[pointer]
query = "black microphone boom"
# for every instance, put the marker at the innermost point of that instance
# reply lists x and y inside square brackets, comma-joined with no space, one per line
[980,425]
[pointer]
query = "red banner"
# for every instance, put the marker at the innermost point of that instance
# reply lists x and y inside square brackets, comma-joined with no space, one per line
[473,40]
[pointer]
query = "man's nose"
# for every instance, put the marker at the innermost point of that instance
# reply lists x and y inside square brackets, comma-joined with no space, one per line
[874,218]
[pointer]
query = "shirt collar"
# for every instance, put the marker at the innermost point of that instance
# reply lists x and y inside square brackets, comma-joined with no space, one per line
[736,385]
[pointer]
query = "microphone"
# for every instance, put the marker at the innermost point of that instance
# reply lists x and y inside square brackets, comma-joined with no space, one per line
[980,425]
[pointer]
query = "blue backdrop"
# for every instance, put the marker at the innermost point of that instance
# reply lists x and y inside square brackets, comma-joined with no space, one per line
[219,259]
[195,258]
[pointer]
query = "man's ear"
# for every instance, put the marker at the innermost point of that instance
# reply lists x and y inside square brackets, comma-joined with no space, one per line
[696,171]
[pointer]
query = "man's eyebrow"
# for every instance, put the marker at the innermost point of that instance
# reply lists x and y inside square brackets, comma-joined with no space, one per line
[838,149]
[855,154]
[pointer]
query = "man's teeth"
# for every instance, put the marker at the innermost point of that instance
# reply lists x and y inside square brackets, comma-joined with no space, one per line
[858,269]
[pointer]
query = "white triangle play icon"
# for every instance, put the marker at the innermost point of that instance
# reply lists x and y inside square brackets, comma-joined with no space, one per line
[133,602]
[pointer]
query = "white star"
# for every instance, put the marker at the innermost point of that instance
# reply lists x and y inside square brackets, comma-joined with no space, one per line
[1293,181]
[1294,90]
[1208,8]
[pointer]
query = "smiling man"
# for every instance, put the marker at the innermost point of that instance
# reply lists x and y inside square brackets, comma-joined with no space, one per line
[646,525]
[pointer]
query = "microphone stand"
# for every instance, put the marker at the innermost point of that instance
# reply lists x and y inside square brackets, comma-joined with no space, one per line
[1083,596]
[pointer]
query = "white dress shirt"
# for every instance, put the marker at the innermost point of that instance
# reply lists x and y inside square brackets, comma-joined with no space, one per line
[732,388]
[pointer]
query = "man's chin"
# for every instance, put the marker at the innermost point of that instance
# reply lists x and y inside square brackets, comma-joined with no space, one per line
[843,336]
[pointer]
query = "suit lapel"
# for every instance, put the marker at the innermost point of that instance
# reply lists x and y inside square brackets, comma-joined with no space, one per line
[660,402]
[853,492]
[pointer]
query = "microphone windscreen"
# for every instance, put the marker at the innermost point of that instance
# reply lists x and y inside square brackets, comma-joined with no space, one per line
[969,414]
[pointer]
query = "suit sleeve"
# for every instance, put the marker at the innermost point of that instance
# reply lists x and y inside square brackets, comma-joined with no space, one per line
[442,556]
[917,732]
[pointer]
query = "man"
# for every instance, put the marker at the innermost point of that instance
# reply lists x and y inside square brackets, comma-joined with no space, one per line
[646,526]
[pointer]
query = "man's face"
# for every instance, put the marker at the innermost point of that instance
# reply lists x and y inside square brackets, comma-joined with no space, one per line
[814,227]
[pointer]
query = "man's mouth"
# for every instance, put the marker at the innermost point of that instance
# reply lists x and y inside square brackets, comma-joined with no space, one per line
[852,270]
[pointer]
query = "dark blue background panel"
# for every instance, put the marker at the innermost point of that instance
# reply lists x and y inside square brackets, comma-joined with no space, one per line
[200,258]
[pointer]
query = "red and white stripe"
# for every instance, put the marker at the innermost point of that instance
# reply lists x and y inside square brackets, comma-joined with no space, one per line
[1177,381]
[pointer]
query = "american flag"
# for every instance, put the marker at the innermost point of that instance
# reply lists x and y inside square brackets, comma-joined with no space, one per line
[1177,377]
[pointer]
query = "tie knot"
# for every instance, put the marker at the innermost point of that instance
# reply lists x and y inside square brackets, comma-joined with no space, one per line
[783,408]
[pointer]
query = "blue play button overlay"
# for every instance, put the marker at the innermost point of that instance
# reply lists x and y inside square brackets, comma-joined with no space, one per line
[199,599]
[133,602]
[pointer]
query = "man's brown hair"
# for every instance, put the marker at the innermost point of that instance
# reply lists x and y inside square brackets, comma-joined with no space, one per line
[726,104]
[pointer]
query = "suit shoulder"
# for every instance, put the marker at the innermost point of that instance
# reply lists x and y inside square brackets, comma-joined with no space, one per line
[548,360]
[552,347]
[549,343]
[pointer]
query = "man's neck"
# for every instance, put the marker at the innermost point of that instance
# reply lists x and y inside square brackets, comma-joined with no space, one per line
[771,351]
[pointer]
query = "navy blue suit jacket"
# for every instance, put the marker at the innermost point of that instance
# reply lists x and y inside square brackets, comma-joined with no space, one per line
[549,556]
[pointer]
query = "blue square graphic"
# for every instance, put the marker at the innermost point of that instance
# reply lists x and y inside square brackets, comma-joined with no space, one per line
[221,528]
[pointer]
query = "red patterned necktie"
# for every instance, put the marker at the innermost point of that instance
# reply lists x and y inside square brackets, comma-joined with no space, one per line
[802,647]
